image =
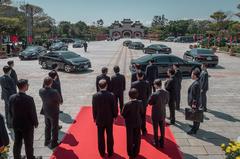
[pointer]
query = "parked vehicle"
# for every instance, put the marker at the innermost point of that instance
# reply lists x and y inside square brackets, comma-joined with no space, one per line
[136,45]
[32,52]
[184,39]
[66,60]
[201,55]
[78,44]
[163,62]
[169,39]
[157,49]
[127,42]
[58,46]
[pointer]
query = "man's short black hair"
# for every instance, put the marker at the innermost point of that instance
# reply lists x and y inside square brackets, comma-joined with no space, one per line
[52,74]
[196,72]
[6,69]
[10,62]
[138,66]
[104,70]
[22,83]
[116,69]
[158,82]
[47,81]
[133,93]
[102,83]
[140,74]
[55,65]
[152,61]
[171,71]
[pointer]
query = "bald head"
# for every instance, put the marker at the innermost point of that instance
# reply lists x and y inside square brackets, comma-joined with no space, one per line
[102,84]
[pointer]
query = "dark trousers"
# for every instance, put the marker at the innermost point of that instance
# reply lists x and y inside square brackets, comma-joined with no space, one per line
[85,49]
[133,141]
[172,111]
[101,140]
[7,114]
[196,126]
[119,98]
[143,116]
[178,98]
[161,125]
[203,98]
[27,137]
[51,129]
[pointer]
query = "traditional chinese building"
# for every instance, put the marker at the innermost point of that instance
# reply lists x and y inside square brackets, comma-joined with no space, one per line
[126,29]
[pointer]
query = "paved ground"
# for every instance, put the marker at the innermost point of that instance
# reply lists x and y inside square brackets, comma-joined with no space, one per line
[221,124]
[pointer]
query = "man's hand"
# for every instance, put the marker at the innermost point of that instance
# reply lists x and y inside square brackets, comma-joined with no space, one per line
[194,106]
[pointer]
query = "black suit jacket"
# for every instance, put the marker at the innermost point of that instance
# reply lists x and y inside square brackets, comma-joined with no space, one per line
[158,100]
[178,78]
[170,86]
[8,86]
[13,75]
[132,112]
[57,86]
[143,88]
[107,78]
[204,80]
[4,139]
[51,100]
[194,94]
[151,73]
[104,108]
[134,76]
[118,84]
[22,111]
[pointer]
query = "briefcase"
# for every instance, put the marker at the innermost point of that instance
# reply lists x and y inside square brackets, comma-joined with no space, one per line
[194,114]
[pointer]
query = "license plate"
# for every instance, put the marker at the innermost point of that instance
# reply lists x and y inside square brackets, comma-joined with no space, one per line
[209,58]
[85,66]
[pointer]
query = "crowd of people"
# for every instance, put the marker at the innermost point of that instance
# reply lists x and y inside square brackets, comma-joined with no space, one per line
[146,90]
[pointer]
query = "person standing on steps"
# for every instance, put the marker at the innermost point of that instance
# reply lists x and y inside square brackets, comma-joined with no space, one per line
[204,86]
[85,45]
[13,74]
[178,78]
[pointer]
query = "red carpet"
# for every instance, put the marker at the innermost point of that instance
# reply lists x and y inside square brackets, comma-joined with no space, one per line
[81,141]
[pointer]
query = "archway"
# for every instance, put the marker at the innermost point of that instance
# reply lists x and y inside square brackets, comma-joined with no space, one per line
[137,34]
[127,34]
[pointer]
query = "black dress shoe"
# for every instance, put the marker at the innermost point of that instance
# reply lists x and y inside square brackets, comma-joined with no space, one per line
[102,155]
[144,132]
[110,154]
[60,111]
[161,143]
[59,127]
[155,144]
[46,143]
[191,132]
[53,146]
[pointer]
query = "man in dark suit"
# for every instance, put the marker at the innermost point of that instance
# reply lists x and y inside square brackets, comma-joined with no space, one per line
[132,112]
[134,74]
[158,100]
[13,74]
[194,98]
[118,86]
[170,86]
[55,68]
[51,101]
[104,111]
[56,85]
[8,89]
[204,86]
[151,74]
[24,115]
[178,78]
[143,88]
[103,76]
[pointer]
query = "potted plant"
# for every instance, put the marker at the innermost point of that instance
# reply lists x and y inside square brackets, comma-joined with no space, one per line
[232,150]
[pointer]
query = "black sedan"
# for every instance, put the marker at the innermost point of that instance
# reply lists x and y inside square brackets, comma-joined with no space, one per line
[58,46]
[163,62]
[201,55]
[127,42]
[157,49]
[32,52]
[78,44]
[66,60]
[136,45]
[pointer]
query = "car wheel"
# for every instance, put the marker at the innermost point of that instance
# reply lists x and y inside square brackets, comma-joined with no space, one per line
[44,65]
[67,68]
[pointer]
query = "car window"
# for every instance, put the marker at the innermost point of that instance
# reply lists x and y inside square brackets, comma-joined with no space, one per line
[69,55]
[204,51]
[176,60]
[54,55]
[162,59]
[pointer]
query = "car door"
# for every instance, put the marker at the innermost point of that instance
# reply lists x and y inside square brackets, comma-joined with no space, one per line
[183,66]
[52,59]
[163,63]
